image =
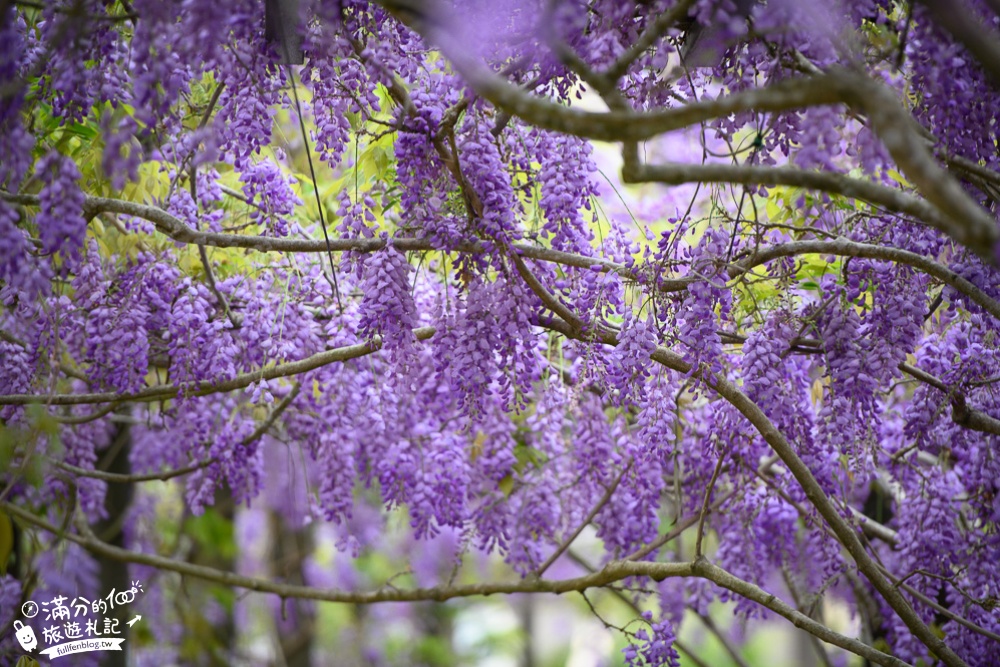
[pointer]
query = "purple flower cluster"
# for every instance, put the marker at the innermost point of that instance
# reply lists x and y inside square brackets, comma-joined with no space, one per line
[121,157]
[87,68]
[468,346]
[60,221]
[707,304]
[630,363]
[82,445]
[631,518]
[16,375]
[436,477]
[271,195]
[848,415]
[566,189]
[18,268]
[340,85]
[488,177]
[115,338]
[387,309]
[356,218]
[196,336]
[15,141]
[933,57]
[893,326]
[497,433]
[253,83]
[654,648]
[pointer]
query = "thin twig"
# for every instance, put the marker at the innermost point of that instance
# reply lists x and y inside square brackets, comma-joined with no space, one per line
[583,524]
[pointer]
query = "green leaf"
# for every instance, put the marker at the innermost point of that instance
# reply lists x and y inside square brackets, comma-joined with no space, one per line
[527,456]
[213,533]
[506,485]
[87,132]
[434,650]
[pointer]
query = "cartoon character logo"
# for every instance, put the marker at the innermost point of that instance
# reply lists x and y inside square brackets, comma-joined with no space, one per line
[25,636]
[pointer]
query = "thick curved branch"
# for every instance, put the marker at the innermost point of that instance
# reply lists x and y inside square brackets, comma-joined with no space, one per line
[617,126]
[965,220]
[610,573]
[971,418]
[653,32]
[961,413]
[890,199]
[947,207]
[173,228]
[844,531]
[831,514]
[614,571]
[178,231]
[967,167]
[703,568]
[965,26]
[608,126]
[846,248]
[968,222]
[208,387]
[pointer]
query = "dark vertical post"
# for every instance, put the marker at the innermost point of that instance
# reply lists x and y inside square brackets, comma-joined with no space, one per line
[281,28]
[114,574]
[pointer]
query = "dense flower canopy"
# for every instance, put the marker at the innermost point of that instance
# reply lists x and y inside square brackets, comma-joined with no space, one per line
[362,276]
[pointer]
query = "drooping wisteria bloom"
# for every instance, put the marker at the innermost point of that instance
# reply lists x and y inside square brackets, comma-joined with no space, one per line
[685,305]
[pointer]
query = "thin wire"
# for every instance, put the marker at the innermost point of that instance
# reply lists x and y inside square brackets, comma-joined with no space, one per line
[312,175]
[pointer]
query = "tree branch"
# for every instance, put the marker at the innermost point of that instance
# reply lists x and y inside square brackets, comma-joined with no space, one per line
[173,228]
[653,32]
[168,224]
[888,198]
[132,479]
[846,248]
[612,572]
[965,27]
[209,387]
[968,223]
[961,413]
[634,126]
[609,126]
[844,531]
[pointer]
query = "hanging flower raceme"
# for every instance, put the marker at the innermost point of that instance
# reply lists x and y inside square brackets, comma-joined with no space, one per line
[60,221]
[270,194]
[655,647]
[489,181]
[848,415]
[387,308]
[630,363]
[151,261]
[707,304]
